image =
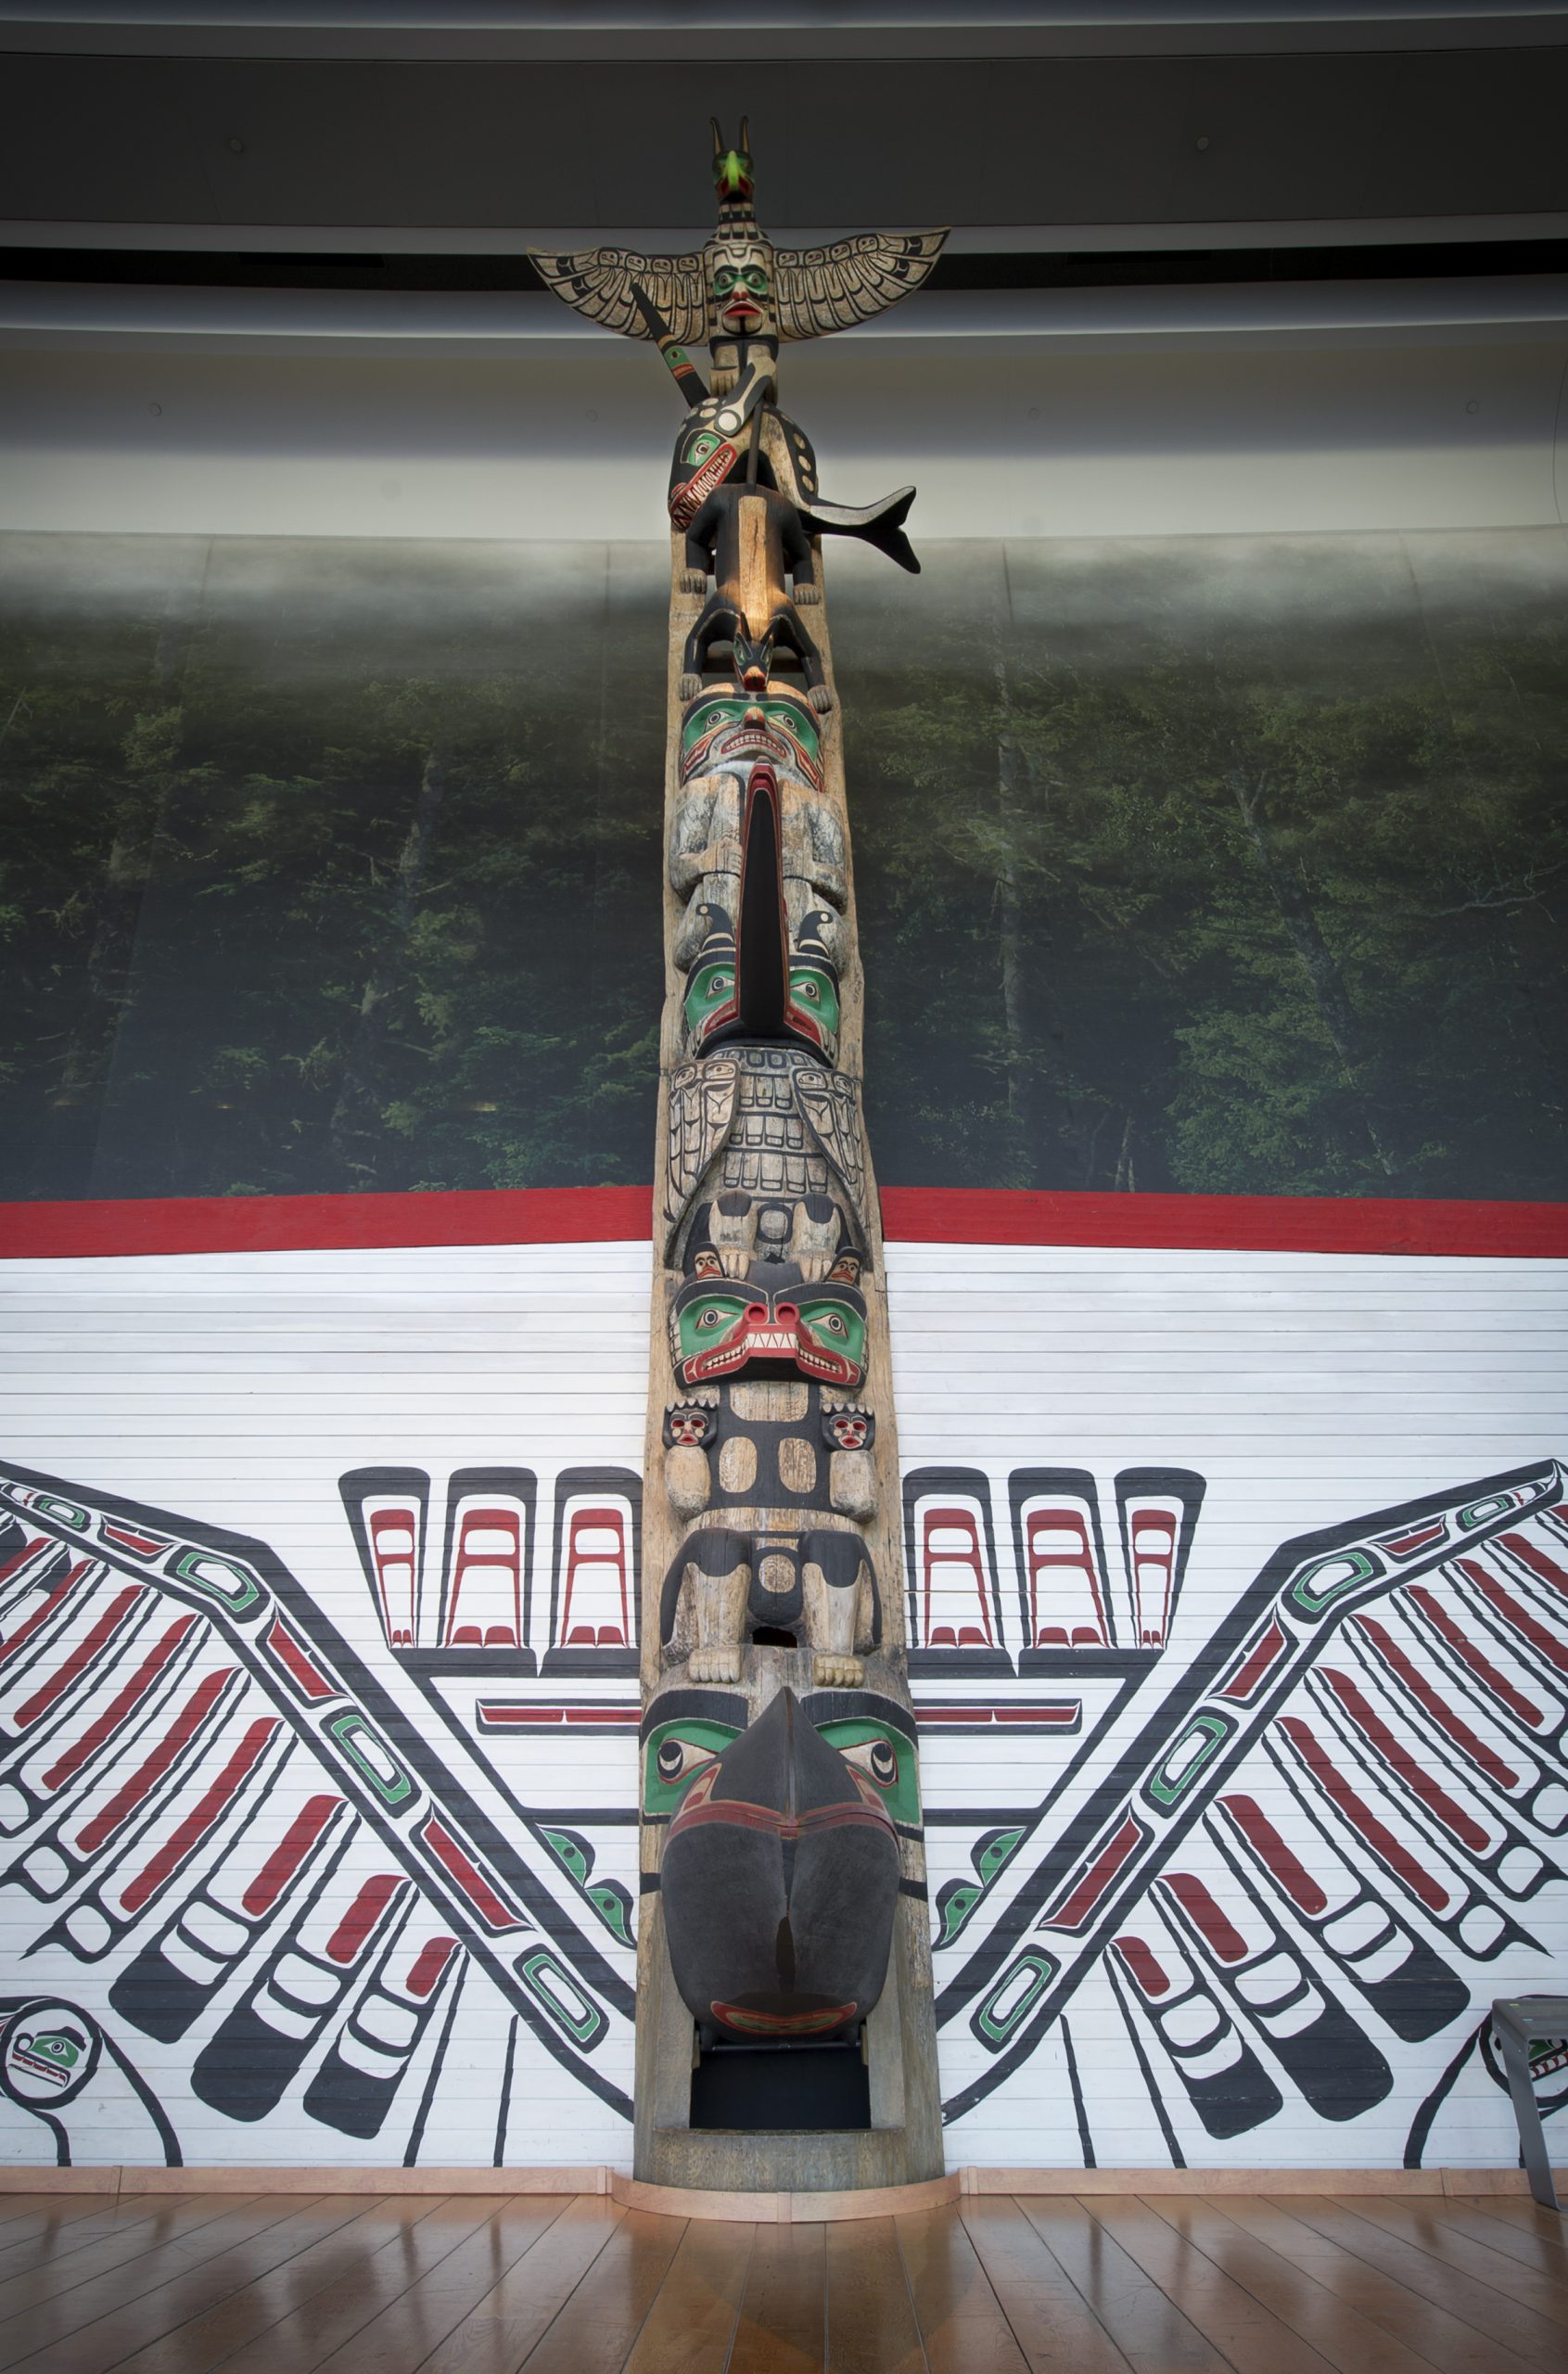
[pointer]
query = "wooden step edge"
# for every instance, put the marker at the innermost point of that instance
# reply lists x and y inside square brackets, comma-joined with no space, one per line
[770,2208]
[785,2208]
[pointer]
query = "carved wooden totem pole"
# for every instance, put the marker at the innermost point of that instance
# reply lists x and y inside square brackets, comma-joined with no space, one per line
[784,2030]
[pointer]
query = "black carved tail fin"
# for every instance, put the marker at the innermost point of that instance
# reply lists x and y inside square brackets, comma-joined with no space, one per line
[879,524]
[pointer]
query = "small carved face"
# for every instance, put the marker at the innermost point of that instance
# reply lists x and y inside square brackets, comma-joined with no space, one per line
[848,1429]
[689,1425]
[740,291]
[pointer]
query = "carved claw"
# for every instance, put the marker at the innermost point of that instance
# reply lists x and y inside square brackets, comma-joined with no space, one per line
[694,581]
[819,696]
[688,687]
[806,597]
[831,1673]
[719,1664]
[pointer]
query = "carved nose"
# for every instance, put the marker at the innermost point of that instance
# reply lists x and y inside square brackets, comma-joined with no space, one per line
[788,1313]
[756,1314]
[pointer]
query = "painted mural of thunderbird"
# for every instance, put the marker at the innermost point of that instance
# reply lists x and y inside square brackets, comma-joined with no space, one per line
[251,1865]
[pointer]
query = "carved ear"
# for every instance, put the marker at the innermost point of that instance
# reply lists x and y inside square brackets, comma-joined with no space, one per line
[745,136]
[718,137]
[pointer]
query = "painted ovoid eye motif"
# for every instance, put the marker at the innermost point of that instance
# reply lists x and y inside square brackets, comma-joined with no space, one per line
[704,1323]
[709,987]
[836,1328]
[886,1758]
[811,985]
[697,449]
[673,1756]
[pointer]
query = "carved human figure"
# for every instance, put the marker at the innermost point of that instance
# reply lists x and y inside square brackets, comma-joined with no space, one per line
[725,734]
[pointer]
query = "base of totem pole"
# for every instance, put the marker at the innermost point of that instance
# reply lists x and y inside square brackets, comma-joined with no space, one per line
[899,2150]
[785,2208]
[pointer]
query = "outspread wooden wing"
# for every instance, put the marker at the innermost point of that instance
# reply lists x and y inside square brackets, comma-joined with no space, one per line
[829,1104]
[821,289]
[702,1108]
[597,281]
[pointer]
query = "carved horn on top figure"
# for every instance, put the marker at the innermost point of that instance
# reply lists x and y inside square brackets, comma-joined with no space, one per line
[783,1868]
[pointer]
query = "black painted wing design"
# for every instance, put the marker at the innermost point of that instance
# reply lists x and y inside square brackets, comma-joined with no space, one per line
[823,289]
[597,281]
[1301,1879]
[278,1868]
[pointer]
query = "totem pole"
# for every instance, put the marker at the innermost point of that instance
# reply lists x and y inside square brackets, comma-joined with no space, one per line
[784,2029]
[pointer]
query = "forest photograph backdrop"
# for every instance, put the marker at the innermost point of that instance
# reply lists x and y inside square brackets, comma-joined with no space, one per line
[1206,864]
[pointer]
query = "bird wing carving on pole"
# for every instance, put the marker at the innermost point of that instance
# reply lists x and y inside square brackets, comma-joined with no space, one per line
[823,289]
[600,283]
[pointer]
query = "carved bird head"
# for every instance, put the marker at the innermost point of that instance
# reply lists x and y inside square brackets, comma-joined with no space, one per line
[731,167]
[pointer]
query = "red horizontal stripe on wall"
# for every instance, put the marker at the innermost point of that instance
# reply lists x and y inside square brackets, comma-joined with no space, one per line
[1223,1223]
[303,1223]
[911,1215]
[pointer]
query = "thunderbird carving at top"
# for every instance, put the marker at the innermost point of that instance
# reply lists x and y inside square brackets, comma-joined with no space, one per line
[741,291]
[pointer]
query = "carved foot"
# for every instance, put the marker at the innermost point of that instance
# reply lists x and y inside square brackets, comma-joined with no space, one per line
[694,581]
[688,687]
[716,1664]
[819,696]
[808,596]
[834,1673]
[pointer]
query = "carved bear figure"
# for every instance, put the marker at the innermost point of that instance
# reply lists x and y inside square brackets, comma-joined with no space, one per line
[775,1478]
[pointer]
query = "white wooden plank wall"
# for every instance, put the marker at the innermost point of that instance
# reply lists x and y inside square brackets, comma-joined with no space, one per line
[1306,1390]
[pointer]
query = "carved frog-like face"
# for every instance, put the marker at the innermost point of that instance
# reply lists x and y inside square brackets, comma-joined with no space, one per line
[730,729]
[718,1327]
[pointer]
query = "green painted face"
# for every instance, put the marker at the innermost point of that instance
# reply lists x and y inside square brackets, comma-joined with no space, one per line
[742,279]
[708,986]
[886,1757]
[714,730]
[708,1318]
[674,1752]
[812,986]
[834,1327]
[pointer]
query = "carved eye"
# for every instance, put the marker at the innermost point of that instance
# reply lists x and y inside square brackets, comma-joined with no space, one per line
[714,1316]
[809,990]
[830,1323]
[875,1757]
[678,1759]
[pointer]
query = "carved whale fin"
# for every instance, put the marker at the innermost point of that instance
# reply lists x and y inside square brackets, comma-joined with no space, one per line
[880,525]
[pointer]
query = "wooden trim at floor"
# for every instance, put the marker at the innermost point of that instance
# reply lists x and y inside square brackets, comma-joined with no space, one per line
[787,2208]
[765,2208]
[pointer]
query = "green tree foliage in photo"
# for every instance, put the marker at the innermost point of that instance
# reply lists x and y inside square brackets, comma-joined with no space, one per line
[1219,865]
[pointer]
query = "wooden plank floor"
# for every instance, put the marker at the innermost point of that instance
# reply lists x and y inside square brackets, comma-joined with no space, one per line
[286,2283]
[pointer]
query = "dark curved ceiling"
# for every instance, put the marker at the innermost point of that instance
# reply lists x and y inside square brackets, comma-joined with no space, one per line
[1219,116]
